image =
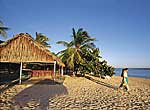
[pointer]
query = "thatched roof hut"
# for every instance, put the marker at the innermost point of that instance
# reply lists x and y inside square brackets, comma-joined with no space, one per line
[22,48]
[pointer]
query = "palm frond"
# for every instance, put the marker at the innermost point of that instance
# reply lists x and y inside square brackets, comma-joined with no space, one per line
[80,59]
[4,28]
[86,40]
[3,33]
[70,61]
[42,39]
[88,46]
[61,52]
[79,32]
[74,33]
[66,44]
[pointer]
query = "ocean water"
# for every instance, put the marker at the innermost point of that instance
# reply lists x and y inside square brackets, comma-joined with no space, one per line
[135,72]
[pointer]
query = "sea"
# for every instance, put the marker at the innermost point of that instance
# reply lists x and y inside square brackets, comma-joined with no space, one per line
[135,72]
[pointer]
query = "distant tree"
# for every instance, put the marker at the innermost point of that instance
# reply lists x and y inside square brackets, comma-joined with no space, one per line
[94,66]
[42,39]
[107,69]
[3,29]
[92,63]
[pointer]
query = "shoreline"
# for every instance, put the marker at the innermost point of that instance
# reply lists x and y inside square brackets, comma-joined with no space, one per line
[135,72]
[133,77]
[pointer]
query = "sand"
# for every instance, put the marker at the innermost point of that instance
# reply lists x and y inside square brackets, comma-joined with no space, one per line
[79,93]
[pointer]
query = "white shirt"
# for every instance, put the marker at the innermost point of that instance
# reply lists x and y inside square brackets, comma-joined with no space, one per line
[125,74]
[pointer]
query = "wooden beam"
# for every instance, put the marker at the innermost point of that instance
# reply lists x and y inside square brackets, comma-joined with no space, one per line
[20,73]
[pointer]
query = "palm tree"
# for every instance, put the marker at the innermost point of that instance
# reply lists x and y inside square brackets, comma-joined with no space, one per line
[3,29]
[73,55]
[42,39]
[82,55]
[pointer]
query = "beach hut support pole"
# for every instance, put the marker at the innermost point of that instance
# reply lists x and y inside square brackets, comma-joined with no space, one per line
[54,69]
[62,72]
[59,71]
[20,73]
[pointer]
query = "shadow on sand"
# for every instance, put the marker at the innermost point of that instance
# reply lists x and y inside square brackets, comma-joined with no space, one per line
[37,95]
[7,86]
[102,83]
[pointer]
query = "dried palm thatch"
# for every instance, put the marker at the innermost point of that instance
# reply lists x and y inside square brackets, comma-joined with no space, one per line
[23,48]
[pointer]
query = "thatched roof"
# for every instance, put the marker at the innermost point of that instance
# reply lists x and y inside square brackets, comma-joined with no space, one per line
[23,48]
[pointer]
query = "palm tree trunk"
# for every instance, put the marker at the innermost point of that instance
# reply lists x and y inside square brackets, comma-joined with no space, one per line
[74,72]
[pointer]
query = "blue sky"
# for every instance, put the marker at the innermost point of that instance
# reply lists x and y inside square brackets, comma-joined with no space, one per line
[121,27]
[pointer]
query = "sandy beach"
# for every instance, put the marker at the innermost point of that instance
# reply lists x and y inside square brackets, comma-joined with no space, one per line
[78,93]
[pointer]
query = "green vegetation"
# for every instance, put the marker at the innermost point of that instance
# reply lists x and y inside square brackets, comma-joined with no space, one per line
[72,55]
[42,39]
[82,56]
[3,30]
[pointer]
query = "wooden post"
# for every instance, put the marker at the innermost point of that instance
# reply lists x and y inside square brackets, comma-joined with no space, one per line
[62,72]
[59,71]
[20,73]
[54,69]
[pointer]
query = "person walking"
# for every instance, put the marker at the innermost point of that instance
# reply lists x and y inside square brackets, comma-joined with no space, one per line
[124,83]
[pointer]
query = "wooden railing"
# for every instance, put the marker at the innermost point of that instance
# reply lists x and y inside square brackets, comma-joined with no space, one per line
[42,73]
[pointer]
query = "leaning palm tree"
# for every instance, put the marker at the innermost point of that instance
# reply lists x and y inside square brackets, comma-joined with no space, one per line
[3,29]
[42,39]
[73,54]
